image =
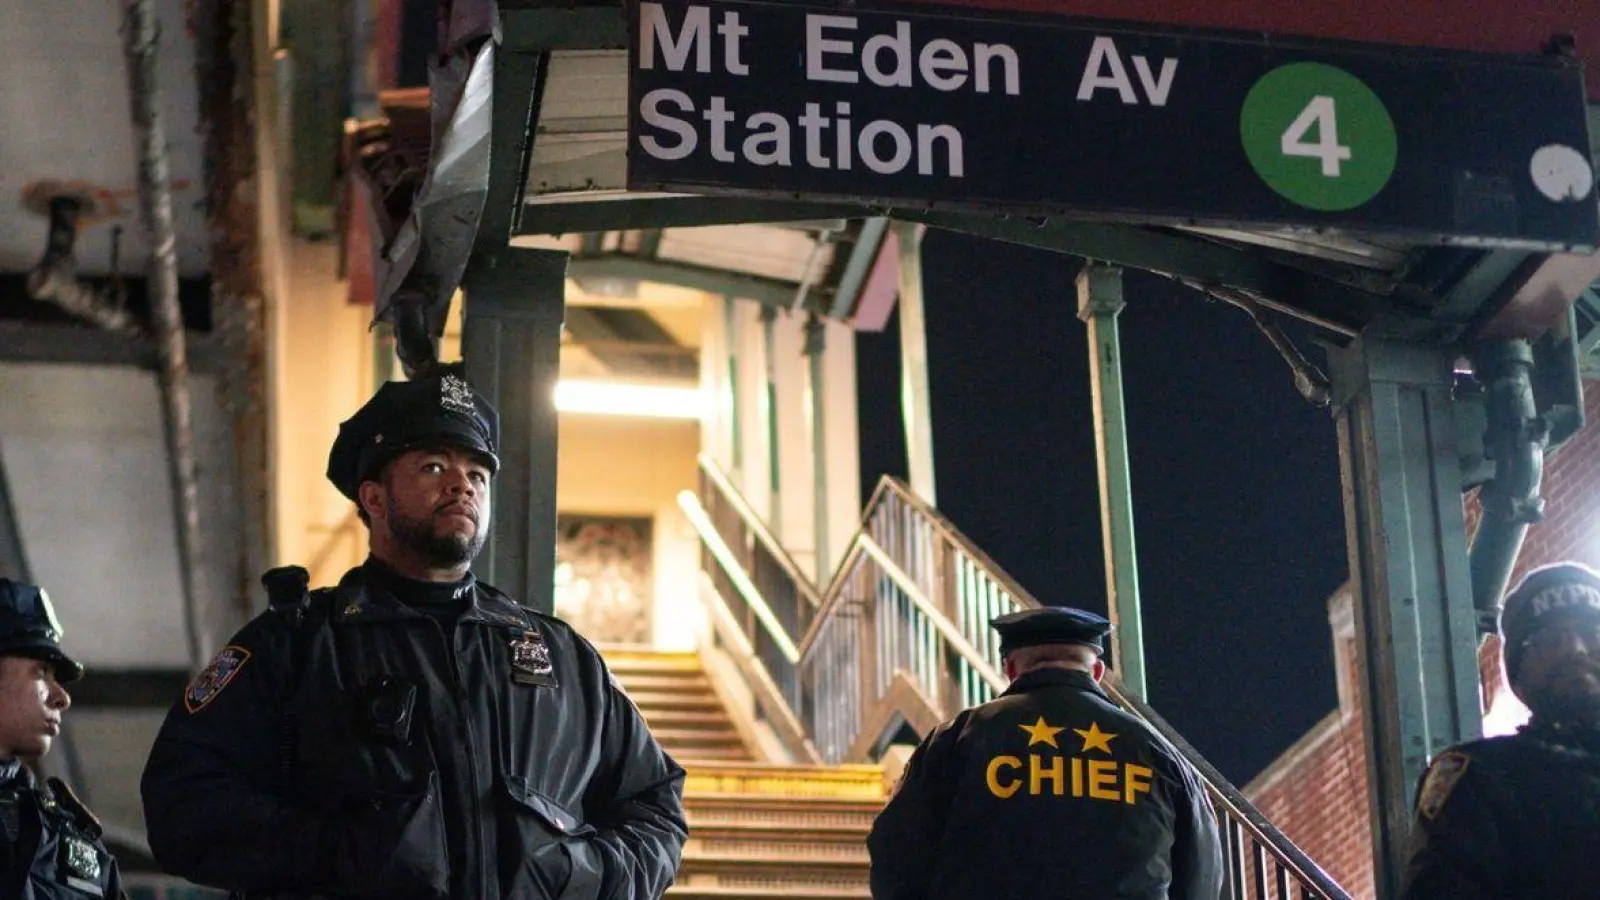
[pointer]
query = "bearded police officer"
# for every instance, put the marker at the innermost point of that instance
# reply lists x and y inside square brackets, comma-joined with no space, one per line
[1519,816]
[50,847]
[412,732]
[1049,790]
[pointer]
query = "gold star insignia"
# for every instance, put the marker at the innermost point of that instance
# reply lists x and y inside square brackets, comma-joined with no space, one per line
[1094,738]
[1041,732]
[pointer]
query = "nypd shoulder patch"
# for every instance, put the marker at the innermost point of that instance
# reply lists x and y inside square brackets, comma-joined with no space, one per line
[205,686]
[1443,776]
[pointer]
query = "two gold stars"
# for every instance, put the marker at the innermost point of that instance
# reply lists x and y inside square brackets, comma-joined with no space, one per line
[1041,732]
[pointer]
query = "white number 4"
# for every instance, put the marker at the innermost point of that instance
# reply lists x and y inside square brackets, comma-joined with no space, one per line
[1318,114]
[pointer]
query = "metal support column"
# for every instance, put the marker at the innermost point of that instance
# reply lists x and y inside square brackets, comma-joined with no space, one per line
[511,341]
[13,558]
[817,410]
[768,406]
[1099,303]
[916,404]
[1408,562]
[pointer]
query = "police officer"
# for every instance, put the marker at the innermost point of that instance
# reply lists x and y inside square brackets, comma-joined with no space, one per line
[412,732]
[1519,815]
[49,842]
[1049,790]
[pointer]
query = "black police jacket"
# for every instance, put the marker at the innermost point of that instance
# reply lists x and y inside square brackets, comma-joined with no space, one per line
[1509,817]
[50,847]
[1049,790]
[366,753]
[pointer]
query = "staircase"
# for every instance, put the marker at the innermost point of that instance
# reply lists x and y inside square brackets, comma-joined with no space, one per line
[756,830]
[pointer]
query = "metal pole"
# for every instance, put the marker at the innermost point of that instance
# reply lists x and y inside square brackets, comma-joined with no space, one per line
[1099,303]
[916,404]
[769,418]
[730,395]
[816,357]
[1406,533]
[511,342]
[141,36]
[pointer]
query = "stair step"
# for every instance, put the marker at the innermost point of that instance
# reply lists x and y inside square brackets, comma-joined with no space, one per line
[672,682]
[654,700]
[779,828]
[863,783]
[620,663]
[772,845]
[716,892]
[747,811]
[687,718]
[688,755]
[777,868]
[697,737]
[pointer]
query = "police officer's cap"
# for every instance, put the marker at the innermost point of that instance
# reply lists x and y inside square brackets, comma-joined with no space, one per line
[1051,625]
[28,627]
[1546,595]
[438,409]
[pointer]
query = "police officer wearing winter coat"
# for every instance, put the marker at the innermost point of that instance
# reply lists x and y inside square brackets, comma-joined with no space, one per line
[1518,816]
[413,732]
[50,847]
[1049,790]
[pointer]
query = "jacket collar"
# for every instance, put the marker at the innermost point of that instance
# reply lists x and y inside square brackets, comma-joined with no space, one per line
[359,600]
[1051,676]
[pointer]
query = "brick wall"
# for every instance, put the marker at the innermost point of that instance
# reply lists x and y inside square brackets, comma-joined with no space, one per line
[1316,792]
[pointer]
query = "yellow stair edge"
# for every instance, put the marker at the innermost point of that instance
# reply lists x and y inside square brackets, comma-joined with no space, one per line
[766,779]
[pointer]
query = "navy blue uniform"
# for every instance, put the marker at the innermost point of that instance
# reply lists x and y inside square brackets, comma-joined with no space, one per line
[1509,817]
[50,847]
[371,751]
[1050,790]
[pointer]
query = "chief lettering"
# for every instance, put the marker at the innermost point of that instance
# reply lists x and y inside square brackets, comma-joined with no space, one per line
[1062,775]
[205,686]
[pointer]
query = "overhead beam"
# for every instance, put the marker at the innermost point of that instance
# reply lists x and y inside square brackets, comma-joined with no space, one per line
[129,688]
[580,216]
[1282,288]
[533,26]
[764,290]
[22,342]
[858,265]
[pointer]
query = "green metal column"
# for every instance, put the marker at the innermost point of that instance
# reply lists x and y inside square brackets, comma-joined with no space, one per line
[1409,572]
[769,418]
[730,342]
[916,404]
[511,341]
[817,410]
[1099,303]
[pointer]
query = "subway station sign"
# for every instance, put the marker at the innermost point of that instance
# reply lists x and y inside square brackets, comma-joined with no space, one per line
[1049,116]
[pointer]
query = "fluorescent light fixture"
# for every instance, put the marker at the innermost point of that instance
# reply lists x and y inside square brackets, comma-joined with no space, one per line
[611,398]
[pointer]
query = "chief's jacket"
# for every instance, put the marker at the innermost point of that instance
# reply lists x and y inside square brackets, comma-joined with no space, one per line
[1049,790]
[50,847]
[1509,817]
[368,751]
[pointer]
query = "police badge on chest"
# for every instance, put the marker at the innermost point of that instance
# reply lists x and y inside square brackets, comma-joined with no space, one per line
[80,865]
[530,659]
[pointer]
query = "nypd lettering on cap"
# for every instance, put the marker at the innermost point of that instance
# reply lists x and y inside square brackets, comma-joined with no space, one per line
[1565,596]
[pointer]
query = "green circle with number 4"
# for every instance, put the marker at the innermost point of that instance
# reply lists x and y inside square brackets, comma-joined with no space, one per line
[1318,136]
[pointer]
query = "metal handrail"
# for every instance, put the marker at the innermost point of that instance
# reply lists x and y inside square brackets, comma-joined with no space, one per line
[758,528]
[913,597]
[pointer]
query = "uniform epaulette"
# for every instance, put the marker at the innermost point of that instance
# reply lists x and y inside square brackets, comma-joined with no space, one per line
[69,801]
[288,589]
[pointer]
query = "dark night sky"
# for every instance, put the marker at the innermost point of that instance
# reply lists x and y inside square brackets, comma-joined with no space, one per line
[1235,479]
